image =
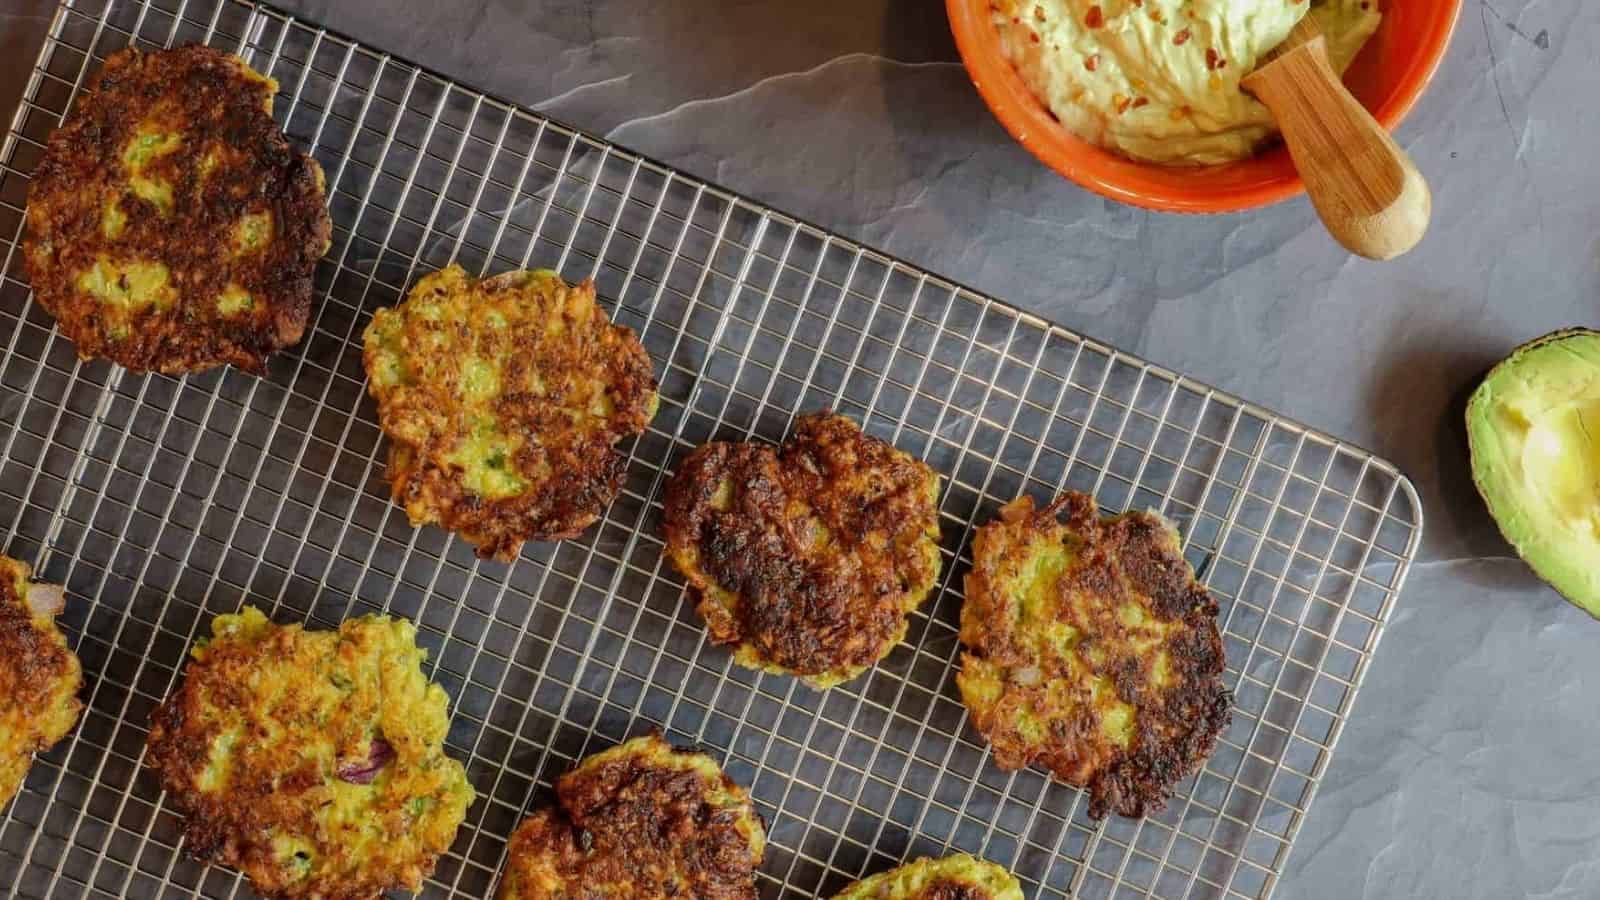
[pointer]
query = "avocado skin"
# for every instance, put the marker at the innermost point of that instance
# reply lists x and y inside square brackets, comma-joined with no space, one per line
[1476,407]
[1551,338]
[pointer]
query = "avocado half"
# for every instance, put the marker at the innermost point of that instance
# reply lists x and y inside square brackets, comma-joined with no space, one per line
[1533,426]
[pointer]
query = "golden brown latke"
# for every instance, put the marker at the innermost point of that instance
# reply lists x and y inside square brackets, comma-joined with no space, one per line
[171,227]
[1092,650]
[638,822]
[39,675]
[809,556]
[312,761]
[503,400]
[957,877]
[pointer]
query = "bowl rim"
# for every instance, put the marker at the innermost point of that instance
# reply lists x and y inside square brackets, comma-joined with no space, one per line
[1024,120]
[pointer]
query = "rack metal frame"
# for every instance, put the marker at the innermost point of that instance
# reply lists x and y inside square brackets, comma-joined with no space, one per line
[162,502]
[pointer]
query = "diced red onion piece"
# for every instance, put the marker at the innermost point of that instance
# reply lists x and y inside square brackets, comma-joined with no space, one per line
[380,754]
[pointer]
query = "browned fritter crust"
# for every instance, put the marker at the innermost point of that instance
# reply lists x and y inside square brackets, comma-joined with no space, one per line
[809,555]
[1081,628]
[639,822]
[260,748]
[555,356]
[957,877]
[229,160]
[39,680]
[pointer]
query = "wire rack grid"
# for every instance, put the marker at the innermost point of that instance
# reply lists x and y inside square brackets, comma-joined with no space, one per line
[161,502]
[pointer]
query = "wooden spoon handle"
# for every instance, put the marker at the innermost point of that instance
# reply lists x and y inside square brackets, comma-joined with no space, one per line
[1370,195]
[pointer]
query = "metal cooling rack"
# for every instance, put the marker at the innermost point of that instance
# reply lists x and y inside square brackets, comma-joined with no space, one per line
[161,502]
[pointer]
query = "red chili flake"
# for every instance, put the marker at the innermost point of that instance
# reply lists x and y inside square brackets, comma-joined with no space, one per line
[1091,62]
[1181,37]
[1120,102]
[1214,60]
[1142,101]
[1094,18]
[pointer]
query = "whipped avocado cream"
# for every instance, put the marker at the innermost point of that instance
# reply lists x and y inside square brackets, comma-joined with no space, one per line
[1158,80]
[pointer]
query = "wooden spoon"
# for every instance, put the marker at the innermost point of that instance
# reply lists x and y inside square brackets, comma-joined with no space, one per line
[1370,195]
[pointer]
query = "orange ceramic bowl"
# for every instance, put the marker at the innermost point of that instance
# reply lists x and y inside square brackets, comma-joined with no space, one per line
[1388,77]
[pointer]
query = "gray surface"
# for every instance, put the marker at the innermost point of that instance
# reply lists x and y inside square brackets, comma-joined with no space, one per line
[1463,773]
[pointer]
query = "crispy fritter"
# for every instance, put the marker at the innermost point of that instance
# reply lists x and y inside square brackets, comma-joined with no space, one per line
[809,556]
[639,821]
[312,761]
[1092,650]
[503,400]
[958,877]
[39,675]
[171,227]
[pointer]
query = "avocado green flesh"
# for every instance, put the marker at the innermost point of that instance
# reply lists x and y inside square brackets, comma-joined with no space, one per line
[252,231]
[128,285]
[1534,429]
[234,300]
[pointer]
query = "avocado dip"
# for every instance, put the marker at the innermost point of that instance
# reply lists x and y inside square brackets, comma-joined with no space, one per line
[1158,80]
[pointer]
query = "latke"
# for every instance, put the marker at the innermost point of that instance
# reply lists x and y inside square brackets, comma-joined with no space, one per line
[640,821]
[503,400]
[808,556]
[39,675]
[171,226]
[1091,650]
[312,761]
[957,877]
